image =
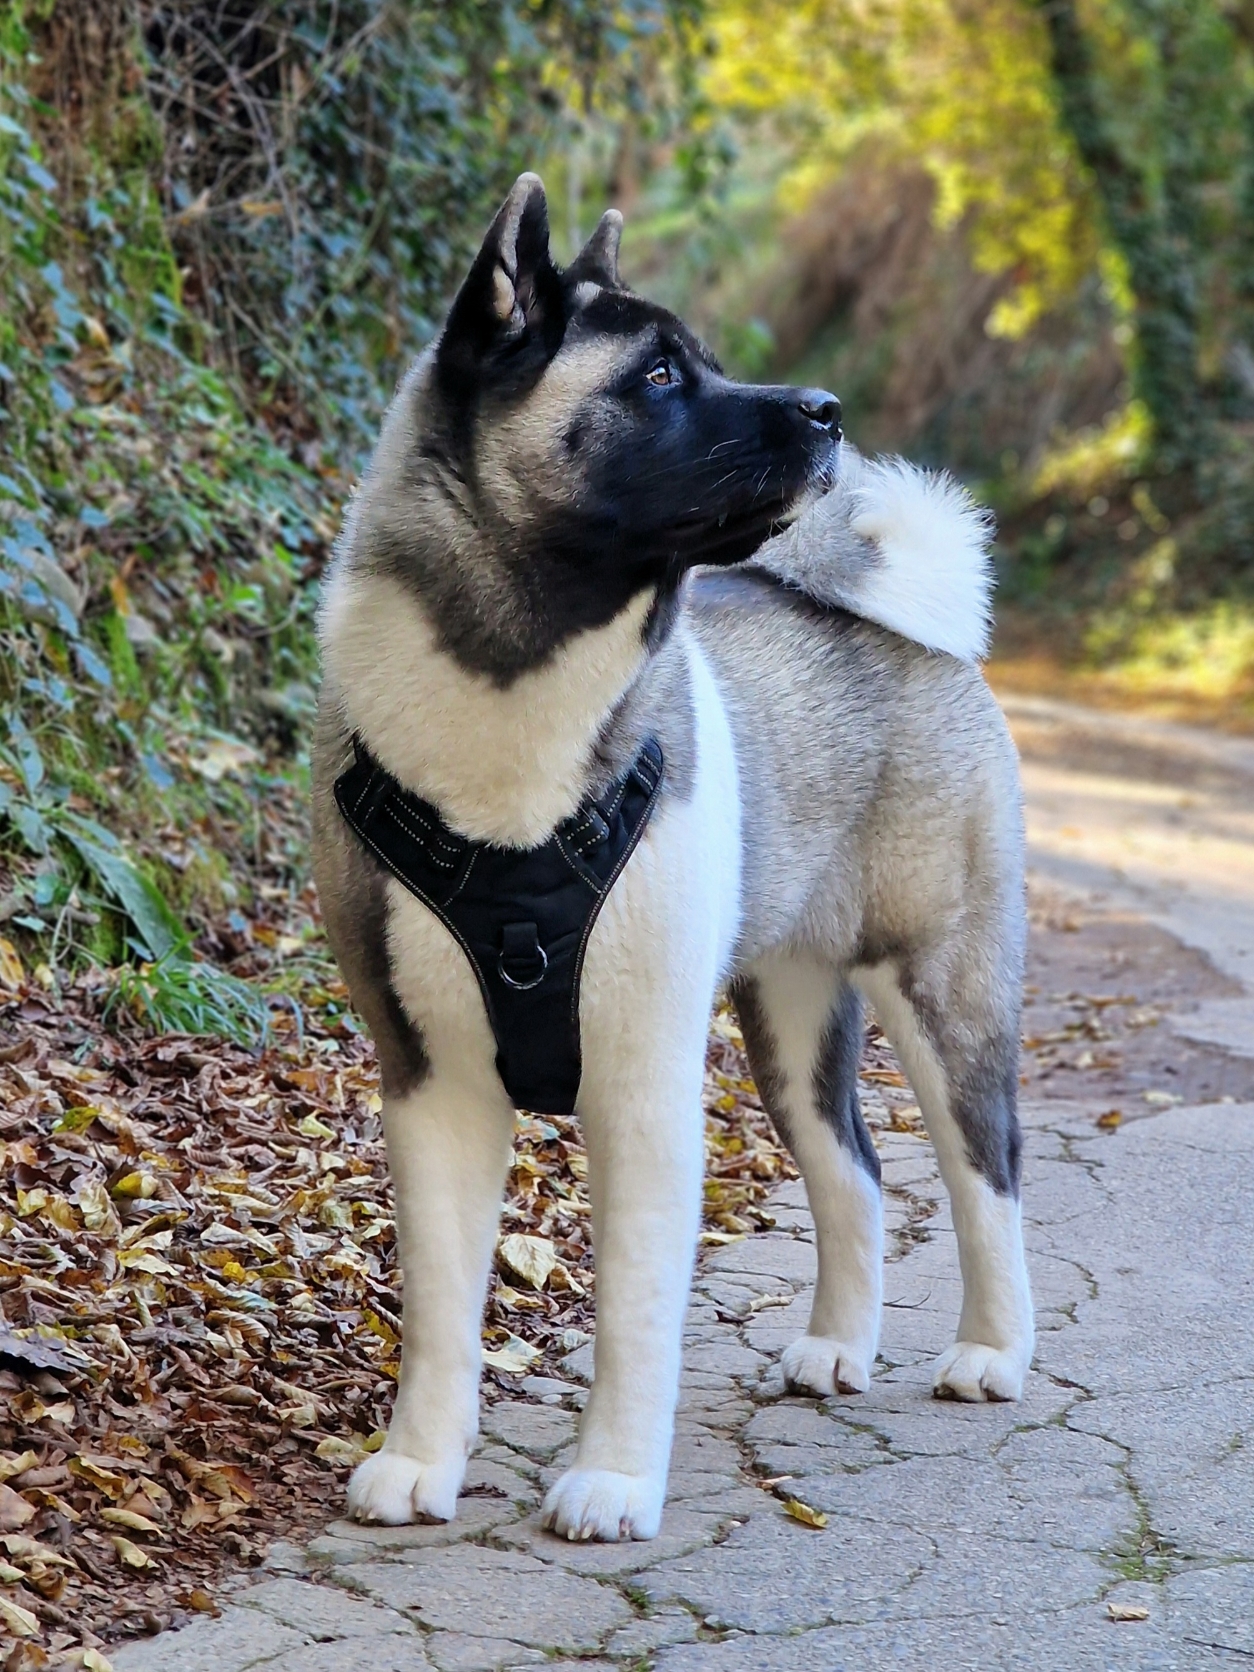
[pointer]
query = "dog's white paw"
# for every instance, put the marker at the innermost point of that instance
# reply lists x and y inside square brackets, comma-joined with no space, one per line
[970,1371]
[595,1503]
[818,1364]
[395,1489]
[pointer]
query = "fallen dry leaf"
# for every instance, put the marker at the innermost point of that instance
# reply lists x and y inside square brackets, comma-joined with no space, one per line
[15,1512]
[20,1621]
[531,1258]
[1126,1611]
[807,1516]
[217,1243]
[1110,1120]
[131,1554]
[129,1519]
[335,1450]
[12,1466]
[513,1357]
[11,971]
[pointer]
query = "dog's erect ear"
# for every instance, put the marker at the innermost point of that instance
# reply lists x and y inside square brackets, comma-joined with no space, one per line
[598,260]
[513,289]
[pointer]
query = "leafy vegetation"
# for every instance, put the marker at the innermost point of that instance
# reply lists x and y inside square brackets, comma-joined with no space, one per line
[1016,238]
[223,230]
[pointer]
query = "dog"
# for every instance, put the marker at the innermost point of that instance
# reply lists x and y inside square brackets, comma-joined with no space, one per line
[578,540]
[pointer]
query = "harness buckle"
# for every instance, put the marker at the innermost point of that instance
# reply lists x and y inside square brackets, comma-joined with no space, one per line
[520,946]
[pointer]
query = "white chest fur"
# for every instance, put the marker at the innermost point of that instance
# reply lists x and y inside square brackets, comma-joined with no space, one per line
[503,764]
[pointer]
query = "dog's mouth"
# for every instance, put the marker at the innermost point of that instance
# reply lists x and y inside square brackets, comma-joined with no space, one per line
[821,478]
[824,472]
[735,534]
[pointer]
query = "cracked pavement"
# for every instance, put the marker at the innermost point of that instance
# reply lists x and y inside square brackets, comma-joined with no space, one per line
[995,1535]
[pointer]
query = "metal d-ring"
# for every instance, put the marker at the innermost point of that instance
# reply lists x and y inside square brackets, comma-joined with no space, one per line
[524,986]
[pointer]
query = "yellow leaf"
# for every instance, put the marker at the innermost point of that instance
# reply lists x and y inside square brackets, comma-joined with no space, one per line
[380,1327]
[312,1127]
[20,1621]
[112,1485]
[24,1549]
[136,1186]
[32,1201]
[374,1103]
[802,1512]
[77,1119]
[131,1554]
[99,1213]
[142,1259]
[59,1211]
[1110,1120]
[128,1518]
[10,1466]
[531,1258]
[353,1450]
[94,1661]
[298,1416]
[11,971]
[513,1358]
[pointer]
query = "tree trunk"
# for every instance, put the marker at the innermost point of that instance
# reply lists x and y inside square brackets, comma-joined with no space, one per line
[1166,370]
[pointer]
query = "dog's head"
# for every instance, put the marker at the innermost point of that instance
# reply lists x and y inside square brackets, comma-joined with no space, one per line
[589,442]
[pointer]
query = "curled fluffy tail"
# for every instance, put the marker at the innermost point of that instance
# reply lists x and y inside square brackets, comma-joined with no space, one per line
[904,547]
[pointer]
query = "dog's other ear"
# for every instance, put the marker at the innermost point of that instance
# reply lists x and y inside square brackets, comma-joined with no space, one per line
[513,289]
[598,260]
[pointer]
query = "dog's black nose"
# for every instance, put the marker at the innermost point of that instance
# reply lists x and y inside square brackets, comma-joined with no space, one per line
[821,408]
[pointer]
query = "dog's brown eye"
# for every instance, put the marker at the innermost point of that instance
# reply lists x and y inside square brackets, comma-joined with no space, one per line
[660,374]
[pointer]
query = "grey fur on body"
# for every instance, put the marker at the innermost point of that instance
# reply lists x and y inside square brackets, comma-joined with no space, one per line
[884,823]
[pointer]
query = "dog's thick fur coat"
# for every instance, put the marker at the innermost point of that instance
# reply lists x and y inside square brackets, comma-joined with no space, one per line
[535,576]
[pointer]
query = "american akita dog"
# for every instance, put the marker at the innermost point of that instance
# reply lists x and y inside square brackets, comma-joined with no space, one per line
[534,582]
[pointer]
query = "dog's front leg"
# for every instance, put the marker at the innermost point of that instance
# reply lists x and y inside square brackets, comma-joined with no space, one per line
[448,1149]
[645,1142]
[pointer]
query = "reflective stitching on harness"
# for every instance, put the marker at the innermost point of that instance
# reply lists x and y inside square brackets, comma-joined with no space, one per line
[424,834]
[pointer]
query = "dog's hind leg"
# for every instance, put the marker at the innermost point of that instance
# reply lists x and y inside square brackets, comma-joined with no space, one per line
[803,1029]
[962,1057]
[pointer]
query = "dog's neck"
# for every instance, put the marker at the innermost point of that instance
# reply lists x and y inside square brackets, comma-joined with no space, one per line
[503,764]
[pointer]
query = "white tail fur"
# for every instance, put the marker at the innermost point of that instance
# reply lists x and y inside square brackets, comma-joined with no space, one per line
[901,546]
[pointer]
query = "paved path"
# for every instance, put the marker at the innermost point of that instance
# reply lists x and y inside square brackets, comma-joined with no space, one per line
[992,1536]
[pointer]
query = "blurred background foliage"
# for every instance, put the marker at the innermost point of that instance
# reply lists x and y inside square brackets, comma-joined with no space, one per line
[1016,236]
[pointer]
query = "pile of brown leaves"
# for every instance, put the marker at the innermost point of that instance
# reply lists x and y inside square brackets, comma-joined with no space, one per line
[200,1296]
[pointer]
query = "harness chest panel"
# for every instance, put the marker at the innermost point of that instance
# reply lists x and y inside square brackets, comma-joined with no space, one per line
[522,916]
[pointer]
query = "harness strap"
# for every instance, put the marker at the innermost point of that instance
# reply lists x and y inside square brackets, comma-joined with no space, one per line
[522,916]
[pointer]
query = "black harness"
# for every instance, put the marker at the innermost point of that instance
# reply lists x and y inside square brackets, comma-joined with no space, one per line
[522,916]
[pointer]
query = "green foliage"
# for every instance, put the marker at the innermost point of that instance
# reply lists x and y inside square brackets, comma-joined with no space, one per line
[147,530]
[329,161]
[180,994]
[223,230]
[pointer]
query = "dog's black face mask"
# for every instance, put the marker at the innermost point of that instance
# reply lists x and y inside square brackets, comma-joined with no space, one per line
[596,437]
